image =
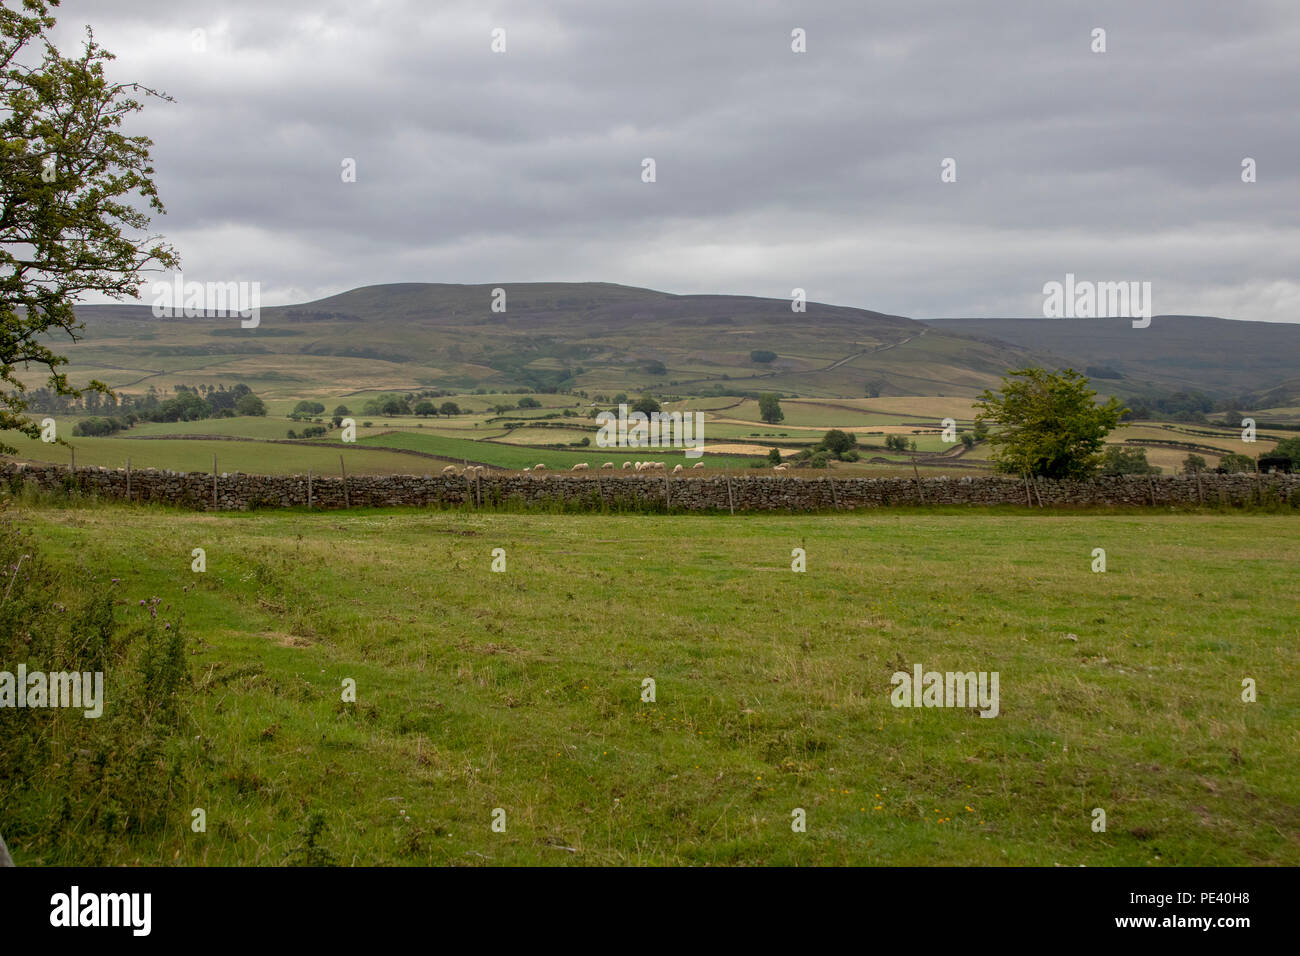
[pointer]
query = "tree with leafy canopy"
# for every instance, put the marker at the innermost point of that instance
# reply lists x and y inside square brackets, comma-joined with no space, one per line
[837,442]
[1287,448]
[646,405]
[769,408]
[1051,424]
[72,188]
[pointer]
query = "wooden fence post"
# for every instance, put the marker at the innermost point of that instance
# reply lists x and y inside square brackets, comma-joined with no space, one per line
[919,493]
[731,502]
[214,482]
[347,500]
[309,496]
[128,479]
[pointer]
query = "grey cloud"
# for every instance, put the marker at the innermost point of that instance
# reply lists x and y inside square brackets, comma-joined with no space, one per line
[774,169]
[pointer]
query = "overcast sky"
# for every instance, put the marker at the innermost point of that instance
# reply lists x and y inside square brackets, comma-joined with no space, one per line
[774,169]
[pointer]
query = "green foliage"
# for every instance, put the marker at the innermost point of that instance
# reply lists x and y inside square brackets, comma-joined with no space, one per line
[762,356]
[97,426]
[1234,463]
[774,456]
[250,405]
[646,405]
[1126,460]
[387,404]
[1051,425]
[1287,448]
[530,402]
[837,442]
[896,442]
[425,408]
[342,410]
[1193,465]
[75,194]
[73,786]
[449,409]
[769,408]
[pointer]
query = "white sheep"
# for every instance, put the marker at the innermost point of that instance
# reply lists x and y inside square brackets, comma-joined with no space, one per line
[608,466]
[780,467]
[580,466]
[627,465]
[449,470]
[698,464]
[539,467]
[677,469]
[528,469]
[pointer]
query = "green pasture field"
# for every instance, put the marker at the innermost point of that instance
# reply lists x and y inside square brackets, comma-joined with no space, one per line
[253,457]
[523,690]
[504,455]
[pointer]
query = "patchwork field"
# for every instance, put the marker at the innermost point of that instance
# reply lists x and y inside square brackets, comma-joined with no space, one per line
[522,691]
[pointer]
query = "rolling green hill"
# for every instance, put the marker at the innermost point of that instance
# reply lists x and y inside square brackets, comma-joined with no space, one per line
[592,336]
[1220,357]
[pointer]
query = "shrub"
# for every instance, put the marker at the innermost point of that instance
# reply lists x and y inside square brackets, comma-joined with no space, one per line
[71,786]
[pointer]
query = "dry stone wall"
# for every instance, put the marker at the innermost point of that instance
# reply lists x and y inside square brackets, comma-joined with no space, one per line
[744,492]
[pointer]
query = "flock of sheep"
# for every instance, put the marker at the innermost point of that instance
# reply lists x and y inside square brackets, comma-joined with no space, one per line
[473,471]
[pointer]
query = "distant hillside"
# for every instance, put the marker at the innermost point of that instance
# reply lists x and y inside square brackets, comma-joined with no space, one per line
[593,336]
[1217,356]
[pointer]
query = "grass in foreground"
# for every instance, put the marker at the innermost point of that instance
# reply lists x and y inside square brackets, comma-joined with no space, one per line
[522,690]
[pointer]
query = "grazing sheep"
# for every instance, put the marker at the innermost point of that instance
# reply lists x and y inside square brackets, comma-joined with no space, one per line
[608,466]
[661,466]
[580,466]
[528,469]
[449,470]
[677,469]
[628,464]
[780,467]
[539,467]
[698,464]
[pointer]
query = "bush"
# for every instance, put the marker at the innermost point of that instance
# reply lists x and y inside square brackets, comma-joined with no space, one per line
[1119,460]
[1235,464]
[72,786]
[762,356]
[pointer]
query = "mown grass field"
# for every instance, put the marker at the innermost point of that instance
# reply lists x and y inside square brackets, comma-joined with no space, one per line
[522,690]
